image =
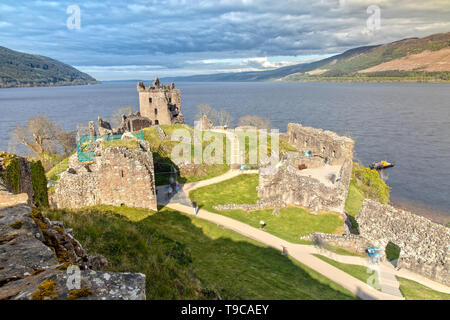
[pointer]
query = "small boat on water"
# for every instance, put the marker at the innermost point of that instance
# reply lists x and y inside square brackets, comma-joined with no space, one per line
[381,165]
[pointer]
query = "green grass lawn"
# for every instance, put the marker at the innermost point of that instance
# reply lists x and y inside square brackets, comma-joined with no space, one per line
[412,290]
[354,199]
[129,144]
[53,173]
[162,153]
[365,183]
[292,223]
[185,257]
[357,271]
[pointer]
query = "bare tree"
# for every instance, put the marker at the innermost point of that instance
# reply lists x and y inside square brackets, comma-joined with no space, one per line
[208,111]
[40,134]
[116,117]
[68,141]
[255,121]
[224,118]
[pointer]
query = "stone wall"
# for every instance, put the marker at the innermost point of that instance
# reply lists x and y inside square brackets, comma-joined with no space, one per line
[326,187]
[260,205]
[117,176]
[322,143]
[25,183]
[129,123]
[424,244]
[350,242]
[288,186]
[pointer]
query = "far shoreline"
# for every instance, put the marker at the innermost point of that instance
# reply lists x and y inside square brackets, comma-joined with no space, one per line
[434,213]
[52,85]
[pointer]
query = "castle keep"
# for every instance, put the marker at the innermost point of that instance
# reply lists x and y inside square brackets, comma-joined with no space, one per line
[160,103]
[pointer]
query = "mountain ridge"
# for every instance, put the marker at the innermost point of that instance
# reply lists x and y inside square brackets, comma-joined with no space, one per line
[19,69]
[348,65]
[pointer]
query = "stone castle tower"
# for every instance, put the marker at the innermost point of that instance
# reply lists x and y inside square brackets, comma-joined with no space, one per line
[160,103]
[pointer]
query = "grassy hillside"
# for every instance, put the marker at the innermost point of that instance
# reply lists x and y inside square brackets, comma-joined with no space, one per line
[349,65]
[365,183]
[188,258]
[345,66]
[19,69]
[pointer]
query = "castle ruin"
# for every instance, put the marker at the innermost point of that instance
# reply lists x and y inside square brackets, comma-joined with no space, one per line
[160,103]
[317,177]
[116,176]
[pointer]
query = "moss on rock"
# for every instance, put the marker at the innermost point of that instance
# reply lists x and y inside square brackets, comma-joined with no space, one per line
[45,291]
[80,293]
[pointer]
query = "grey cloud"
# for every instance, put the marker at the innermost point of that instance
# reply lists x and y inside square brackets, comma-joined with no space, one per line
[169,33]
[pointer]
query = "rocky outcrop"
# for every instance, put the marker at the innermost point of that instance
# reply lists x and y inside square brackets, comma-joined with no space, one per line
[117,176]
[51,284]
[424,245]
[36,255]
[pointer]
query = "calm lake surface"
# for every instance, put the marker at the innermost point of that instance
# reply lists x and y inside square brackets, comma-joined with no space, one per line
[407,123]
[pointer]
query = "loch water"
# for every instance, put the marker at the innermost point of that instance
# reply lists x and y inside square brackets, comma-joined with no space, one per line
[405,123]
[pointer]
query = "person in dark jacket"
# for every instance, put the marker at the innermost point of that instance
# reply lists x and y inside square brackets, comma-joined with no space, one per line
[194,205]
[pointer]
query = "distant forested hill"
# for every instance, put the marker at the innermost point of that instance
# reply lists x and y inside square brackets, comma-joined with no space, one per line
[414,59]
[19,69]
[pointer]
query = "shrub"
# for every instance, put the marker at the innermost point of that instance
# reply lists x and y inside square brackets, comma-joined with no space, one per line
[447,223]
[392,251]
[371,184]
[13,175]
[39,181]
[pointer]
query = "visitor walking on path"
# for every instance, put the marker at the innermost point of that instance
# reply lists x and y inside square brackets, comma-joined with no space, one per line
[262,224]
[169,191]
[194,205]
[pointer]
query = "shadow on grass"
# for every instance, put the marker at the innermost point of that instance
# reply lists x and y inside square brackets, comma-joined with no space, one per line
[188,258]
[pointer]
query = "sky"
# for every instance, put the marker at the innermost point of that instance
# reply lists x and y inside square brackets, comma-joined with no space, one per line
[141,39]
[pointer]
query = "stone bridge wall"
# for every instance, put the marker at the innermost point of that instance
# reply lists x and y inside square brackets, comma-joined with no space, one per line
[424,244]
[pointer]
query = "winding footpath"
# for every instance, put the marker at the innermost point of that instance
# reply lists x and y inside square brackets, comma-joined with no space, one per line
[303,253]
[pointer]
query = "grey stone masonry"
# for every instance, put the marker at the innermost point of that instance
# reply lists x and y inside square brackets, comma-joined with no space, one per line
[117,176]
[424,244]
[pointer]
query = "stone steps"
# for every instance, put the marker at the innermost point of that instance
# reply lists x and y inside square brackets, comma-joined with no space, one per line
[388,282]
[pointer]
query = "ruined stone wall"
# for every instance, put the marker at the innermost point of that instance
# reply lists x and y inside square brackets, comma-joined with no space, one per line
[127,177]
[288,185]
[322,144]
[116,176]
[350,242]
[424,244]
[25,183]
